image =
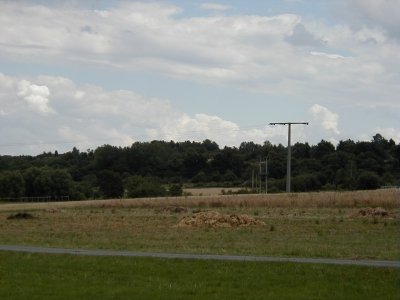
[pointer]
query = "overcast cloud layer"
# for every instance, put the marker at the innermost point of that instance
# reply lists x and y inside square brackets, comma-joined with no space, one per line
[341,75]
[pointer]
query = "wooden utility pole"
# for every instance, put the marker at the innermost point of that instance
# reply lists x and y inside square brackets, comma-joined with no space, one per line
[289,156]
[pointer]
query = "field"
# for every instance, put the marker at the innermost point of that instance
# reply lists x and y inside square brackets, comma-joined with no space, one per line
[355,225]
[301,225]
[38,276]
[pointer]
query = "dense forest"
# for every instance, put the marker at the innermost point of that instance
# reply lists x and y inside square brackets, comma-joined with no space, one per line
[161,168]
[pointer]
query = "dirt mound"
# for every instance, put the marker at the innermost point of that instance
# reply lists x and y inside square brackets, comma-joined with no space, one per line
[20,216]
[216,219]
[373,212]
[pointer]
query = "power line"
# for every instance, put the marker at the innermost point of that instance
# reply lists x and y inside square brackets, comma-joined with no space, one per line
[289,156]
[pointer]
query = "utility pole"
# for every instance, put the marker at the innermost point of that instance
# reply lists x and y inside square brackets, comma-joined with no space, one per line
[259,178]
[266,175]
[289,156]
[260,190]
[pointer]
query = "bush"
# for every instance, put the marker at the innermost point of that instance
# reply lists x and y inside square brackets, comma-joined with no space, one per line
[306,182]
[175,190]
[368,181]
[138,186]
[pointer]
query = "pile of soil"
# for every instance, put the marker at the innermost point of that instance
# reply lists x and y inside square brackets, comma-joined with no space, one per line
[373,212]
[216,219]
[20,216]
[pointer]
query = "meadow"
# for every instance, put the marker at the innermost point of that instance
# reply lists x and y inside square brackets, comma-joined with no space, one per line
[303,225]
[39,276]
[332,225]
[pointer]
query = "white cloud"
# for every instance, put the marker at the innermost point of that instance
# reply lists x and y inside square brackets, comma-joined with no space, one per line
[350,65]
[382,13]
[198,127]
[215,6]
[251,52]
[90,116]
[87,115]
[333,56]
[327,119]
[37,96]
[226,133]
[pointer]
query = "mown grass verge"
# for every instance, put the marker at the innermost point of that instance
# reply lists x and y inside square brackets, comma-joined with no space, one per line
[40,276]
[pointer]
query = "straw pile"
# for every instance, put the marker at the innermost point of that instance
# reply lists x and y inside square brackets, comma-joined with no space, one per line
[216,219]
[374,212]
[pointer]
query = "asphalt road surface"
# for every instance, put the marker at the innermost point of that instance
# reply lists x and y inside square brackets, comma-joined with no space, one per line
[331,261]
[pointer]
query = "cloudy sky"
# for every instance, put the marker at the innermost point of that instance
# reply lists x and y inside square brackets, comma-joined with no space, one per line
[88,73]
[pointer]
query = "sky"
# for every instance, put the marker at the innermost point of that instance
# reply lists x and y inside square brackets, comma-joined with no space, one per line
[87,73]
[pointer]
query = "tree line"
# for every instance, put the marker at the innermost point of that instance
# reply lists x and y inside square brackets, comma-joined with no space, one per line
[161,168]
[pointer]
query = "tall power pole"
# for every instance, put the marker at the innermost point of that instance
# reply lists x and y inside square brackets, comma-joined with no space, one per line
[289,156]
[266,175]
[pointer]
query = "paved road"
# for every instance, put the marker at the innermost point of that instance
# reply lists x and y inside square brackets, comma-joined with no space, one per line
[369,263]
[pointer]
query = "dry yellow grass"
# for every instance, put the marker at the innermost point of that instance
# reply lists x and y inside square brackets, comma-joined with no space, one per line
[209,191]
[389,198]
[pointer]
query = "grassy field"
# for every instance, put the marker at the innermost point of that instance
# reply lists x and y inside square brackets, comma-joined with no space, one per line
[301,225]
[38,276]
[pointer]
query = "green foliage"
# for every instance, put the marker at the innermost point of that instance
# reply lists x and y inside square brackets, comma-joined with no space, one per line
[36,182]
[322,149]
[175,190]
[193,163]
[138,186]
[110,184]
[12,184]
[101,172]
[107,157]
[200,177]
[306,182]
[45,181]
[61,182]
[368,181]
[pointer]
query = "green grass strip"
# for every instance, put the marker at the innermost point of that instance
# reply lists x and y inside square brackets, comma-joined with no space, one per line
[41,276]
